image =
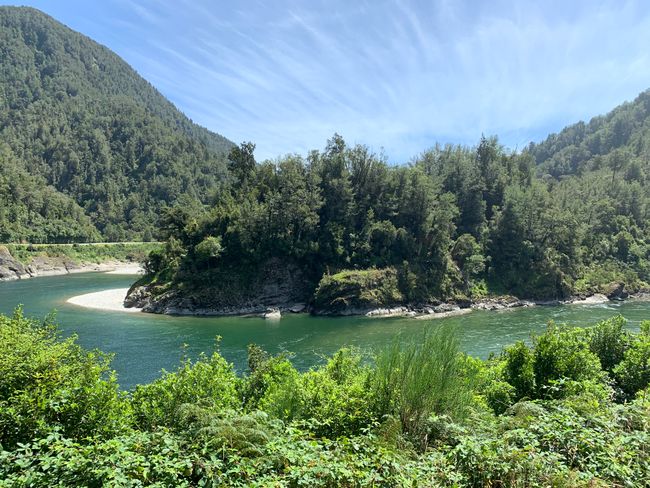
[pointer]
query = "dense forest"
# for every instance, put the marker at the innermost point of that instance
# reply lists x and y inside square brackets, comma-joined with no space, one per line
[568,410]
[89,150]
[456,222]
[618,141]
[32,211]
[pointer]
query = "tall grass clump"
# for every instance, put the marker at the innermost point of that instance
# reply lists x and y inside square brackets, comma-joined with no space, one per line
[417,381]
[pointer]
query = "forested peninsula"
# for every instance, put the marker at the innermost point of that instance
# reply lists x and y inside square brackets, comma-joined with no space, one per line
[342,231]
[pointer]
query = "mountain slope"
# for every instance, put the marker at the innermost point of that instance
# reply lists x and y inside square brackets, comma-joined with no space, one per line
[619,140]
[78,118]
[33,211]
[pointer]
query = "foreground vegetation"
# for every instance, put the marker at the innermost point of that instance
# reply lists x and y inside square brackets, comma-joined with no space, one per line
[569,409]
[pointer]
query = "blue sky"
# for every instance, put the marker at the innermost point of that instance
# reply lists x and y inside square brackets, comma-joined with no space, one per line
[395,75]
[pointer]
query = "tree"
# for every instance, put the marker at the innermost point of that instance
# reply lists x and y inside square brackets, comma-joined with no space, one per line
[467,254]
[208,250]
[241,162]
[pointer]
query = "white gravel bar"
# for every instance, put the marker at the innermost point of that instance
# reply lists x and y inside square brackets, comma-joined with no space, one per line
[112,300]
[127,269]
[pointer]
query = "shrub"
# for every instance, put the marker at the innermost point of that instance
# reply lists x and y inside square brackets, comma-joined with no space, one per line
[335,398]
[266,373]
[414,381]
[129,460]
[208,250]
[608,341]
[633,372]
[411,420]
[331,401]
[209,382]
[562,354]
[519,369]
[357,289]
[48,383]
[227,432]
[500,396]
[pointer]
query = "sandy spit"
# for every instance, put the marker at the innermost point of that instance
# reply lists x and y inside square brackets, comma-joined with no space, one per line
[112,300]
[127,269]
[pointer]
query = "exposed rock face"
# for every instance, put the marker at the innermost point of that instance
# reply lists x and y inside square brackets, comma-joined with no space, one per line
[277,287]
[391,312]
[10,268]
[615,291]
[442,315]
[45,266]
[137,297]
[445,307]
[275,284]
[501,303]
[643,295]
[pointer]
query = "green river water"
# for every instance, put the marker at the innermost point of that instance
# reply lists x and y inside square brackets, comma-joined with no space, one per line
[144,344]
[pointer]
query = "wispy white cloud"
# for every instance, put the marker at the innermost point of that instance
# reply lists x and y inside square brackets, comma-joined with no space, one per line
[397,74]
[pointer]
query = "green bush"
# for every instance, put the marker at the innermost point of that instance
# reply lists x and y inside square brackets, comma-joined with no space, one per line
[633,372]
[422,415]
[51,384]
[331,401]
[416,380]
[134,459]
[209,382]
[556,364]
[560,354]
[227,432]
[608,341]
[519,369]
[267,374]
[351,289]
[500,396]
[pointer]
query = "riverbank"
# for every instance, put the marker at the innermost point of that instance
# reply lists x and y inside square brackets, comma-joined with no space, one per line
[59,269]
[113,300]
[19,262]
[236,291]
[170,304]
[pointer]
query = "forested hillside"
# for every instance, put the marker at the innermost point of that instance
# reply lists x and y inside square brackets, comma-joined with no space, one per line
[81,122]
[33,211]
[457,223]
[618,141]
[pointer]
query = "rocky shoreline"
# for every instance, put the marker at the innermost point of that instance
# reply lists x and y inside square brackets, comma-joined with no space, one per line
[171,304]
[12,269]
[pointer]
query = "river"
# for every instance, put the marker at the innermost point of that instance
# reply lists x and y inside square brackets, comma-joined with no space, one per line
[144,344]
